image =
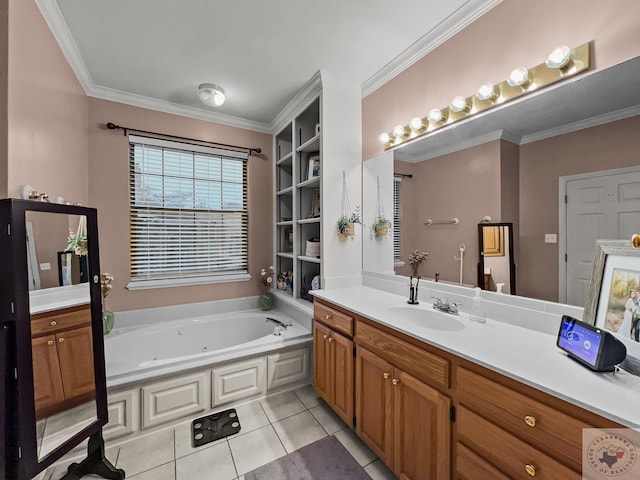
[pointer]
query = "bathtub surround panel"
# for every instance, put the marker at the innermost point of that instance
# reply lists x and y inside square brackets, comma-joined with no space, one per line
[122,416]
[287,368]
[176,398]
[239,380]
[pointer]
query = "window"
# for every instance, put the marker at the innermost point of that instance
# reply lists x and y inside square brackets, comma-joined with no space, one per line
[397,182]
[188,214]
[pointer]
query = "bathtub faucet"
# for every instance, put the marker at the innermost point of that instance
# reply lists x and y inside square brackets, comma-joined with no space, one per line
[279,323]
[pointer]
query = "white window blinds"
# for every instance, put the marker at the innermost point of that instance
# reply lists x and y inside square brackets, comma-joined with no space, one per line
[397,182]
[188,211]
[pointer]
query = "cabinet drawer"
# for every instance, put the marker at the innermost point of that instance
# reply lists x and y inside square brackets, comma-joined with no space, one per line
[337,320]
[421,364]
[526,418]
[510,455]
[470,466]
[57,320]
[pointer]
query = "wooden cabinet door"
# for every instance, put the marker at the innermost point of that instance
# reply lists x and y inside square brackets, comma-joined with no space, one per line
[422,430]
[47,380]
[75,351]
[374,412]
[322,361]
[342,369]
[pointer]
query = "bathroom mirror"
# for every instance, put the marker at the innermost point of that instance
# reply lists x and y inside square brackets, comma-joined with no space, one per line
[496,269]
[55,332]
[501,164]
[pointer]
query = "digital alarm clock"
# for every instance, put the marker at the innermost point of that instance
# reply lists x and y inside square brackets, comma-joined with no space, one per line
[593,347]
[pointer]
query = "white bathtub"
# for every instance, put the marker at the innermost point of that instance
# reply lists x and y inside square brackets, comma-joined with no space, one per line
[141,353]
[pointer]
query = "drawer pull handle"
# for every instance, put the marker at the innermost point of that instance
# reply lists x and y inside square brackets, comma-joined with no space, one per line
[530,469]
[530,420]
[53,323]
[327,317]
[61,339]
[385,375]
[50,342]
[395,381]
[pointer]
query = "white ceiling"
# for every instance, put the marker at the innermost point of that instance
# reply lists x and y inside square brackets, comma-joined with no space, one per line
[155,53]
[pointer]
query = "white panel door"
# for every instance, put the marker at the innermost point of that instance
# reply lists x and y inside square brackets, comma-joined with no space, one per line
[603,206]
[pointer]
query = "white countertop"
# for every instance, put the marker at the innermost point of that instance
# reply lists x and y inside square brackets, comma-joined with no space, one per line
[522,354]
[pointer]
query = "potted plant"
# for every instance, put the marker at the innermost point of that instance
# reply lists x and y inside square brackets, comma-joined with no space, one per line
[380,227]
[346,223]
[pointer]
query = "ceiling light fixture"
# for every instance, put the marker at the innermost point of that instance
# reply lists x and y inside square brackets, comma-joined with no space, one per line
[211,94]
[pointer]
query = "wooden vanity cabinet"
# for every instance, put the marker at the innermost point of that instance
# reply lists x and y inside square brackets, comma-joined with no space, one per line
[62,347]
[403,420]
[333,360]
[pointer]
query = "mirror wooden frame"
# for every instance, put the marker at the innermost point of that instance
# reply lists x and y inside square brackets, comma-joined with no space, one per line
[509,240]
[21,460]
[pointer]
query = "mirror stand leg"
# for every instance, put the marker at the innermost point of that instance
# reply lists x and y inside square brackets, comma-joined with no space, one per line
[95,463]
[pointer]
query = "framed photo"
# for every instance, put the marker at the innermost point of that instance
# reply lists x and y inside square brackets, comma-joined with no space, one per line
[613,298]
[314,167]
[287,240]
[315,203]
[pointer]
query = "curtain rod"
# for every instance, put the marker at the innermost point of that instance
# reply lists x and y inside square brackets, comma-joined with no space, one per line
[250,150]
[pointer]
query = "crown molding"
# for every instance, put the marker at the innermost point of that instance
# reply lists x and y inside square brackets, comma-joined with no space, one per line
[305,95]
[168,107]
[582,124]
[450,26]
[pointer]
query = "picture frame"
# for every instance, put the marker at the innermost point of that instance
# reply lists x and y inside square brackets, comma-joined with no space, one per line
[615,279]
[287,240]
[315,203]
[314,167]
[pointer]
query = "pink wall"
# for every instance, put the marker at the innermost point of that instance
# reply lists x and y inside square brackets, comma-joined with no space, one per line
[47,112]
[513,33]
[109,193]
[4,90]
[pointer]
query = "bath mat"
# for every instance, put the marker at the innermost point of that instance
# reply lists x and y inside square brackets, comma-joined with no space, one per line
[215,426]
[326,459]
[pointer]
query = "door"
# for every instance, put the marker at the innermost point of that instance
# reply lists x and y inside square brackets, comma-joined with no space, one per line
[47,381]
[374,413]
[75,351]
[322,361]
[604,205]
[342,369]
[422,430]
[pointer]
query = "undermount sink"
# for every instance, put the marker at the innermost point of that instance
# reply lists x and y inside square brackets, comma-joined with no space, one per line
[426,318]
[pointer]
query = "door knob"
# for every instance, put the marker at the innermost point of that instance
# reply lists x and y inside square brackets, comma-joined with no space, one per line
[61,339]
[50,342]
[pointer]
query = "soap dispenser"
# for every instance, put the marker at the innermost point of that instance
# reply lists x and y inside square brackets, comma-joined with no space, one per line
[477,308]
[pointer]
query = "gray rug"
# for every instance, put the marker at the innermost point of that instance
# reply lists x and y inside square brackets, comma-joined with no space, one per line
[326,459]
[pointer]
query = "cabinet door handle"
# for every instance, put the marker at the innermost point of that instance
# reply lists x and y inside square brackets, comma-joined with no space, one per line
[330,339]
[53,323]
[61,339]
[325,336]
[50,342]
[530,420]
[530,469]
[385,375]
[395,381]
[328,316]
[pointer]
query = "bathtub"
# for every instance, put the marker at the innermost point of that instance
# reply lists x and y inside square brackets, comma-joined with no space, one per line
[140,353]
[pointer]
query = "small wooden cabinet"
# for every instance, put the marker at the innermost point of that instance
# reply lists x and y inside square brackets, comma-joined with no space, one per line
[333,359]
[404,421]
[62,348]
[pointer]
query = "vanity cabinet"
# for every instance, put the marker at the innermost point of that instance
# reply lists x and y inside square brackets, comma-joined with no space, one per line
[403,420]
[62,346]
[333,362]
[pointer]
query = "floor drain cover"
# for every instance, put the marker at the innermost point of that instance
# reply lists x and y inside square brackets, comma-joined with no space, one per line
[215,426]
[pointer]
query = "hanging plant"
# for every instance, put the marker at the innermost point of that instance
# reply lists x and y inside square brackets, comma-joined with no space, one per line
[381,224]
[348,219]
[77,241]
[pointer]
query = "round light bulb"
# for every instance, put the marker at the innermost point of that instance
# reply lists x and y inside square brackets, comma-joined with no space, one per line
[486,91]
[416,123]
[559,58]
[458,104]
[399,131]
[435,115]
[385,137]
[519,76]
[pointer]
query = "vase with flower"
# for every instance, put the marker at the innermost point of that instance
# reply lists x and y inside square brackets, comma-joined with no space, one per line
[267,299]
[108,317]
[415,259]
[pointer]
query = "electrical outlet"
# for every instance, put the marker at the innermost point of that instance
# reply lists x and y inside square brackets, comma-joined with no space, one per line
[550,238]
[45,266]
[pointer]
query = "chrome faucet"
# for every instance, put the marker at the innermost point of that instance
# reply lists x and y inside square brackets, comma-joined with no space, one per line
[446,307]
[279,323]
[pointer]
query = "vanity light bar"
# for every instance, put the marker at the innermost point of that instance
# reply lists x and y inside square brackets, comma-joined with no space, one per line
[562,63]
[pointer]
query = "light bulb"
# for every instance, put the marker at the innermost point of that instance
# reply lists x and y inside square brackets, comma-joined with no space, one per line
[458,104]
[384,138]
[416,123]
[211,94]
[399,131]
[486,92]
[519,76]
[435,115]
[559,58]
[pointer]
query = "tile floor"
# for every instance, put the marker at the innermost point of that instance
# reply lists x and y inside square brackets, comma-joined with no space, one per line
[271,428]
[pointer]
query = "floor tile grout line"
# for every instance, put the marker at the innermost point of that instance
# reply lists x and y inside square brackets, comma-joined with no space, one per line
[175,460]
[235,467]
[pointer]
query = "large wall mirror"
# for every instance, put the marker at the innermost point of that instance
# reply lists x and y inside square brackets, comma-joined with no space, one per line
[55,333]
[510,165]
